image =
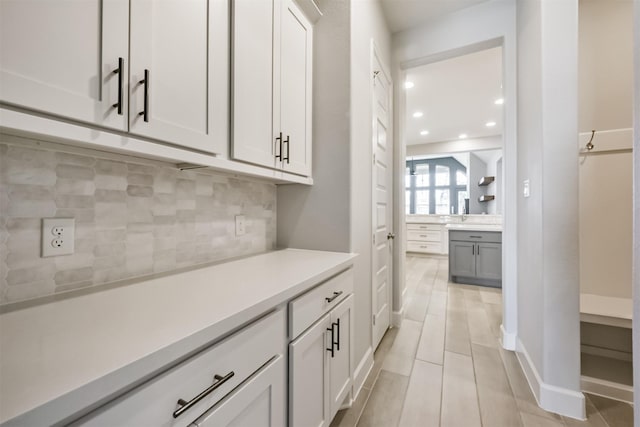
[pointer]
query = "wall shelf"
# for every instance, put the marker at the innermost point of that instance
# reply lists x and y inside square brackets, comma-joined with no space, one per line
[486,180]
[486,198]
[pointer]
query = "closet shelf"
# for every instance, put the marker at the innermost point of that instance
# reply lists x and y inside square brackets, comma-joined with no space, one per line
[486,180]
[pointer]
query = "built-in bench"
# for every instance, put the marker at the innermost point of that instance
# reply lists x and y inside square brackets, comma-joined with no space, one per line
[605,336]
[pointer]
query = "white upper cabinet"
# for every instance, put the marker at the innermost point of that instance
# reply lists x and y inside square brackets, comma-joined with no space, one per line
[253,75]
[178,90]
[72,59]
[295,89]
[64,57]
[272,65]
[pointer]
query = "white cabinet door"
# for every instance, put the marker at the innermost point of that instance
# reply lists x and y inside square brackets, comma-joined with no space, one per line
[59,57]
[254,67]
[296,41]
[179,46]
[309,376]
[260,402]
[342,361]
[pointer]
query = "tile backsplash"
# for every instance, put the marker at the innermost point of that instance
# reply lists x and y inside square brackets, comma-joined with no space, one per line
[133,217]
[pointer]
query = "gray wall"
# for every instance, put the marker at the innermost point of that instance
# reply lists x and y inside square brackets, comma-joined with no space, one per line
[133,217]
[317,217]
[548,286]
[477,169]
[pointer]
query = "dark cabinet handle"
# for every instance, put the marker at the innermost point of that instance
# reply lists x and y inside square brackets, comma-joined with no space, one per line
[184,405]
[286,141]
[145,81]
[338,335]
[473,249]
[279,138]
[120,72]
[335,295]
[478,250]
[331,350]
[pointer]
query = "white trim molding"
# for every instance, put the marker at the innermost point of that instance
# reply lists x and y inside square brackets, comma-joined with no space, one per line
[608,389]
[559,400]
[361,372]
[396,317]
[508,339]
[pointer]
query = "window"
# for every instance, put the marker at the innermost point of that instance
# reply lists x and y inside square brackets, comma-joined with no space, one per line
[435,186]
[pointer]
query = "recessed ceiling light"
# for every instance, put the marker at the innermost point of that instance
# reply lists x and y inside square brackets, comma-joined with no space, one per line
[418,114]
[424,132]
[462,136]
[408,85]
[490,124]
[499,101]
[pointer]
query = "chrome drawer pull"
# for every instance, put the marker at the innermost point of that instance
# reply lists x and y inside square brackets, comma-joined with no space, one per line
[335,295]
[184,405]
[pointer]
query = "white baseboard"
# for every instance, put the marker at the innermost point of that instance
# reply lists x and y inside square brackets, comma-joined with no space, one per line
[361,372]
[563,401]
[396,318]
[611,390]
[508,339]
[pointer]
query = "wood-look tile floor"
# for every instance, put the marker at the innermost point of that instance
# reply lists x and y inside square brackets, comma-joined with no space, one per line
[445,367]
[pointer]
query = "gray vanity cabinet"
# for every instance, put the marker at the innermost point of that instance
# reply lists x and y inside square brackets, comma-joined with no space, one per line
[475,257]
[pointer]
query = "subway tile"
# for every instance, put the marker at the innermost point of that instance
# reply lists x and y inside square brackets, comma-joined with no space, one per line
[74,159]
[110,196]
[131,219]
[74,201]
[74,172]
[139,191]
[111,182]
[65,277]
[75,186]
[110,167]
[141,179]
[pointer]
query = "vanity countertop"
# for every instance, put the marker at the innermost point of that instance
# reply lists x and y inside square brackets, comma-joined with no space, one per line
[474,227]
[76,351]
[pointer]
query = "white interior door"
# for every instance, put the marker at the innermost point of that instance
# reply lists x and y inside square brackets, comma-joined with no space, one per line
[382,200]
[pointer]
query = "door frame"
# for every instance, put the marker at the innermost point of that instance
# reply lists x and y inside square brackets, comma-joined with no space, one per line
[375,57]
[509,172]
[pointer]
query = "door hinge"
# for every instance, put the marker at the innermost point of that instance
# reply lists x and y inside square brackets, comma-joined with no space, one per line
[374,159]
[374,320]
[374,238]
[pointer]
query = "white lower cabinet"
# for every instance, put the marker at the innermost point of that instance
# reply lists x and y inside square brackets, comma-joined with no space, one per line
[259,402]
[202,384]
[320,358]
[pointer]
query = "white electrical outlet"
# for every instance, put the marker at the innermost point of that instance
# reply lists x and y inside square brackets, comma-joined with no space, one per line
[58,236]
[240,230]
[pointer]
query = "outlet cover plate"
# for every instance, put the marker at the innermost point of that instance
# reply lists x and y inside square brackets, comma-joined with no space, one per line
[58,236]
[240,225]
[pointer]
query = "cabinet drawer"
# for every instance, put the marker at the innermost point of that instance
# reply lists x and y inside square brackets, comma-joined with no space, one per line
[476,236]
[235,358]
[424,236]
[424,227]
[309,307]
[424,247]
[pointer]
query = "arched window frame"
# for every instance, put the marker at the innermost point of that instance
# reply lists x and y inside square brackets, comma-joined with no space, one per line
[454,189]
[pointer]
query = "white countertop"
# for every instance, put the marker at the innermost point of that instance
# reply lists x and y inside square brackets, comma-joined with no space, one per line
[474,227]
[81,349]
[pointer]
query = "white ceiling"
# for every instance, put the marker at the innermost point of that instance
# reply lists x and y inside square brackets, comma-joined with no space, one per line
[404,14]
[455,96]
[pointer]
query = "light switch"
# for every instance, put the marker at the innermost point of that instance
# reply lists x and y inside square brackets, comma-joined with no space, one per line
[240,226]
[525,188]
